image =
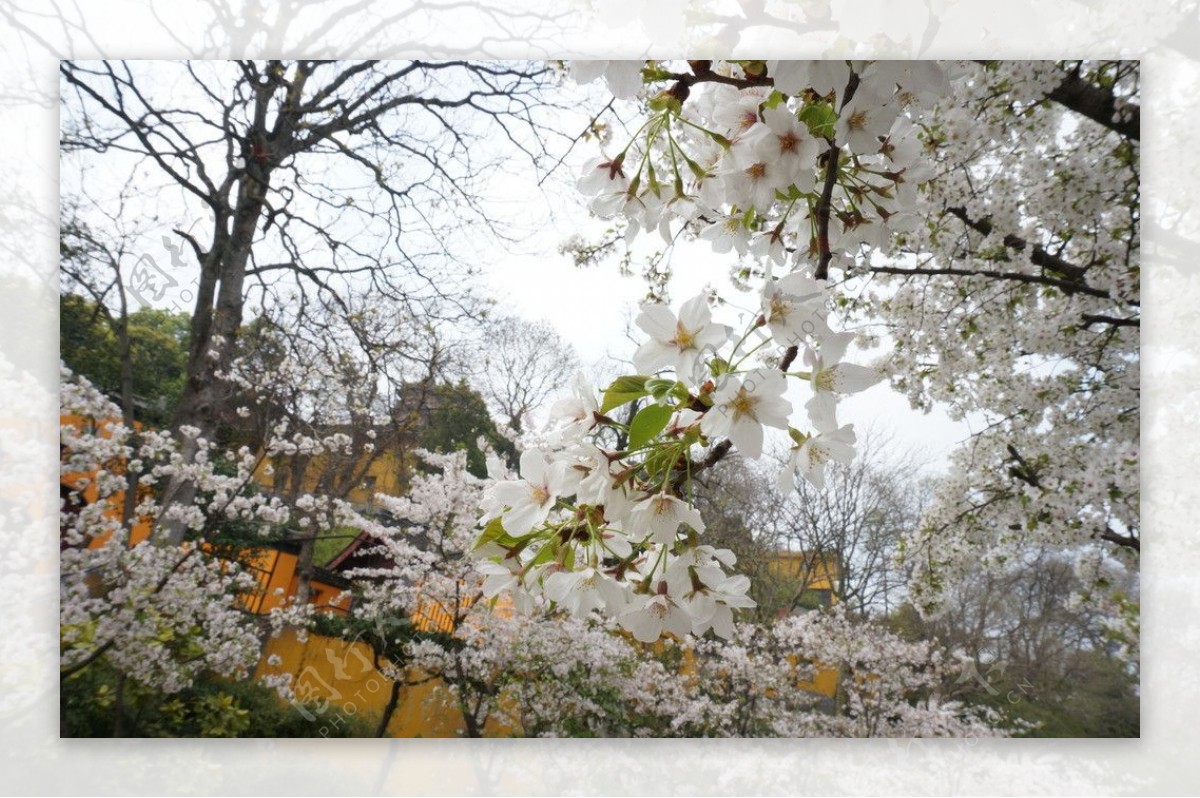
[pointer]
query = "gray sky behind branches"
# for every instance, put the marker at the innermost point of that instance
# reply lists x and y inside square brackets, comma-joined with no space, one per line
[592,308]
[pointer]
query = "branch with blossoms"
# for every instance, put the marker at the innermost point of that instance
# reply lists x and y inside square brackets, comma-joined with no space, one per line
[549,673]
[806,169]
[591,527]
[765,158]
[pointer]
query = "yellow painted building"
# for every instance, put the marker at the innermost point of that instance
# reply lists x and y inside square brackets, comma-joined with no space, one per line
[382,471]
[329,670]
[814,576]
[274,567]
[811,577]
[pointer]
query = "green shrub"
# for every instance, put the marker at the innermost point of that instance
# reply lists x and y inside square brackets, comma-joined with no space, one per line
[98,702]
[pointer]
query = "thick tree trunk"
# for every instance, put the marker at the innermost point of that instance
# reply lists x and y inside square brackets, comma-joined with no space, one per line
[304,570]
[118,729]
[213,333]
[469,720]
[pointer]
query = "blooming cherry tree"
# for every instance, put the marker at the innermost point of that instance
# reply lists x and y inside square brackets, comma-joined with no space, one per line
[994,207]
[575,662]
[161,615]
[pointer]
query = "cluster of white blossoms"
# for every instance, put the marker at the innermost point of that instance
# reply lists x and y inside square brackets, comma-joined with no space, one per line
[556,676]
[800,163]
[999,230]
[160,614]
[563,668]
[1036,333]
[603,518]
[774,157]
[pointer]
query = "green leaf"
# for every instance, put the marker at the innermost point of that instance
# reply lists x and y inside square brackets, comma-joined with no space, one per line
[545,554]
[793,194]
[649,421]
[663,390]
[659,462]
[652,74]
[623,389]
[659,388]
[494,533]
[774,100]
[820,118]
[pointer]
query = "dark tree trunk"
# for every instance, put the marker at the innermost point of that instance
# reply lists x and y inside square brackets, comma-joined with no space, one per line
[390,709]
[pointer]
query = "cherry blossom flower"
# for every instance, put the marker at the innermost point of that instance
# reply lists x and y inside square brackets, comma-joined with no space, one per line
[580,592]
[863,121]
[794,307]
[624,78]
[579,411]
[750,180]
[648,617]
[614,541]
[811,457]
[784,141]
[831,378]
[770,245]
[704,561]
[712,607]
[530,499]
[926,81]
[498,577]
[734,111]
[603,179]
[677,342]
[727,233]
[661,516]
[824,77]
[742,407]
[603,175]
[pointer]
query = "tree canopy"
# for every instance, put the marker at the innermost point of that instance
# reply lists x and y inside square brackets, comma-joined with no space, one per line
[158,351]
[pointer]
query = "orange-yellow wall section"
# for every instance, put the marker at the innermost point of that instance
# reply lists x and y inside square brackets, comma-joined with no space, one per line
[387,469]
[325,668]
[329,669]
[425,709]
[278,581]
[818,572]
